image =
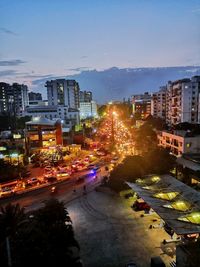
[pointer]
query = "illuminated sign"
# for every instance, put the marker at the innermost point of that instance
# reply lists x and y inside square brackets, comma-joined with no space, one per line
[17,136]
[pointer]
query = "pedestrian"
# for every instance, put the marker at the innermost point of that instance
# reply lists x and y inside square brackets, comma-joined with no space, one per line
[74,190]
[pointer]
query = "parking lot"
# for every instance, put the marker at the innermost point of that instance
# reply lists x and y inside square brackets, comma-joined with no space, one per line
[111,234]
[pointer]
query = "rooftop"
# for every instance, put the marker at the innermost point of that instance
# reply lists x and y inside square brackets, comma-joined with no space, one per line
[42,121]
[175,202]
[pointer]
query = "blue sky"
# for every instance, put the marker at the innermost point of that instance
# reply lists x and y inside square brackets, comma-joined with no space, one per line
[46,38]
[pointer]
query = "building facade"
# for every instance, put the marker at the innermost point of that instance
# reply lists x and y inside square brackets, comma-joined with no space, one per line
[142,104]
[158,103]
[34,96]
[88,110]
[85,96]
[42,133]
[178,102]
[63,92]
[179,142]
[13,99]
[68,115]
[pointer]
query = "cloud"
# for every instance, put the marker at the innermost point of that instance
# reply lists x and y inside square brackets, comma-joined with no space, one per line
[13,62]
[4,73]
[79,69]
[4,30]
[84,56]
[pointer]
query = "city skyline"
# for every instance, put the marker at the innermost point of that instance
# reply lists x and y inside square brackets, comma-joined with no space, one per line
[61,38]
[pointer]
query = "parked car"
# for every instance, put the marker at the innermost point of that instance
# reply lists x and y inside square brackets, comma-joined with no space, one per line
[33,181]
[140,205]
[6,191]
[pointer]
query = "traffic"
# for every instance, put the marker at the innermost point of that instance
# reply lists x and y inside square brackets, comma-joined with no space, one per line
[74,172]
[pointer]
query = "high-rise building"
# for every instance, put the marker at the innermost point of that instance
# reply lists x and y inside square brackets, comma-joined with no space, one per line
[158,103]
[142,104]
[63,92]
[178,102]
[13,99]
[34,96]
[85,96]
[88,110]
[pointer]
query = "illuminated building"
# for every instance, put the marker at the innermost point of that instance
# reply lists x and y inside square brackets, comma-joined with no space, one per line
[142,104]
[179,142]
[178,101]
[158,103]
[43,133]
[63,92]
[70,116]
[88,110]
[13,99]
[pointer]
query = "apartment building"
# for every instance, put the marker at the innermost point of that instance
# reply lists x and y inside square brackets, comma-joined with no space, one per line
[63,92]
[179,142]
[142,104]
[178,102]
[158,103]
[13,99]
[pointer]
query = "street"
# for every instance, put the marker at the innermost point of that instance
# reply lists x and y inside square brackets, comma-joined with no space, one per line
[111,235]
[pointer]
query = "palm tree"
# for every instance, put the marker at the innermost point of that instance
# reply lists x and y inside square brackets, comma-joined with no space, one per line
[10,218]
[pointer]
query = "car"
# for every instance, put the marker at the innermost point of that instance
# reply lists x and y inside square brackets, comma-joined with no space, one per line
[62,174]
[6,191]
[33,181]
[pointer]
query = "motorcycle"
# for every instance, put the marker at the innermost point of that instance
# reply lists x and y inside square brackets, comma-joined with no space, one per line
[53,189]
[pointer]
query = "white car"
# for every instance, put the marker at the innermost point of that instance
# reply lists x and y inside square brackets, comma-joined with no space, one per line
[32,181]
[6,191]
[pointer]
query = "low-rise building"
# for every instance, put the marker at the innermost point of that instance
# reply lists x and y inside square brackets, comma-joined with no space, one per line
[179,142]
[42,132]
[68,115]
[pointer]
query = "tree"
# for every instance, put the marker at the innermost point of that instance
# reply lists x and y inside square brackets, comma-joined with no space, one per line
[10,218]
[12,171]
[45,238]
[145,138]
[156,123]
[159,161]
[133,167]
[102,110]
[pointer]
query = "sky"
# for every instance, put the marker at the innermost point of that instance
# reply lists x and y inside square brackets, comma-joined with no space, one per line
[45,38]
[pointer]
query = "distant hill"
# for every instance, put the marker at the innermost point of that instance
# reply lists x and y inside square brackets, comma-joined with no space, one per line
[115,83]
